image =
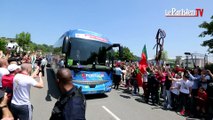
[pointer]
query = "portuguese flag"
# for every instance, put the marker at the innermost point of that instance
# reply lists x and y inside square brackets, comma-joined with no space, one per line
[143,64]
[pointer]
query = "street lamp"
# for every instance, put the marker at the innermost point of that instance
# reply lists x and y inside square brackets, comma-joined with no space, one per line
[187,58]
[187,53]
[205,59]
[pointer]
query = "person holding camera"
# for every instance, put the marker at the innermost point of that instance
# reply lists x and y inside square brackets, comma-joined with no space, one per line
[20,105]
[4,110]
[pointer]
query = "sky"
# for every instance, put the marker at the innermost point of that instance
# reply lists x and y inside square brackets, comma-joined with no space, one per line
[132,23]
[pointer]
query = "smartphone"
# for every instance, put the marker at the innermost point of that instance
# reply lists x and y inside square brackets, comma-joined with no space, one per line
[39,71]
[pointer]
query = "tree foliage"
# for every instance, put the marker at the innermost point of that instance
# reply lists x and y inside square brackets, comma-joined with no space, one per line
[178,60]
[3,44]
[57,50]
[164,55]
[127,55]
[23,39]
[207,32]
[44,47]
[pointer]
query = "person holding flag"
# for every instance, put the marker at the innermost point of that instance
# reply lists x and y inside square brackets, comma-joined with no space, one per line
[143,64]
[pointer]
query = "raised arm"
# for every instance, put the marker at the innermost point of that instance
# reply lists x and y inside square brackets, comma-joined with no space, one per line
[40,83]
[34,74]
[6,114]
[210,73]
[193,77]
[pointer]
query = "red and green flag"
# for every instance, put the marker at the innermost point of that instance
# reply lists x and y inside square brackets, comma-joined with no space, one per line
[143,64]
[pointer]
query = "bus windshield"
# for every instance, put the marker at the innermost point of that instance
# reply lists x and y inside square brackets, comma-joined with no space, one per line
[87,52]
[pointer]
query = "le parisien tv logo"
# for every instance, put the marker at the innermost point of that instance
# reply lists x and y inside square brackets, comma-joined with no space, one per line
[198,12]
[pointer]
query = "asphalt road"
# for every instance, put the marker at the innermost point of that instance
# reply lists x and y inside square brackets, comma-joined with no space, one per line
[116,105]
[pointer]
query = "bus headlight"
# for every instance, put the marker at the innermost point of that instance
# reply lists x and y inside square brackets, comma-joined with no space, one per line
[108,87]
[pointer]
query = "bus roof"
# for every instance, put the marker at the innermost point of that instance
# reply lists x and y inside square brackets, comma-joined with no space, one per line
[83,34]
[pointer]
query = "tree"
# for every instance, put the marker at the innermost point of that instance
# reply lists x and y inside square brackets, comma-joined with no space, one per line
[3,44]
[23,40]
[127,55]
[57,50]
[178,60]
[207,32]
[164,56]
[32,46]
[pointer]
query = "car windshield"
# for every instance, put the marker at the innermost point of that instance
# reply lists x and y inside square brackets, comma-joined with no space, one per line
[87,52]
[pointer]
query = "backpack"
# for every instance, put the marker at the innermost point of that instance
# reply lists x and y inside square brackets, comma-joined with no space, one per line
[7,85]
[57,112]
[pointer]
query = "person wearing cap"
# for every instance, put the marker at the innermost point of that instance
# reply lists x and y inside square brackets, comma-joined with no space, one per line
[21,106]
[7,80]
[3,69]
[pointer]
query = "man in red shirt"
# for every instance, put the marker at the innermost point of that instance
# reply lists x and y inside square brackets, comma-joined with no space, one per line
[7,80]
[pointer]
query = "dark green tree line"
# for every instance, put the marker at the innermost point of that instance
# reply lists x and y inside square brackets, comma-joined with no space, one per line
[208,26]
[24,40]
[127,55]
[3,44]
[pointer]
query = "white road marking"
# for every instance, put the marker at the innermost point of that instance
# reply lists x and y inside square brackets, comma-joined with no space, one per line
[113,115]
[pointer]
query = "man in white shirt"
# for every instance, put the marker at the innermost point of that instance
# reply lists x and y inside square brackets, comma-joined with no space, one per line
[185,92]
[175,91]
[117,77]
[3,69]
[145,82]
[20,105]
[43,64]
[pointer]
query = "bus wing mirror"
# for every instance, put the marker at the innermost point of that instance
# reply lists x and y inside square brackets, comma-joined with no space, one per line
[116,45]
[120,52]
[66,45]
[112,46]
[109,48]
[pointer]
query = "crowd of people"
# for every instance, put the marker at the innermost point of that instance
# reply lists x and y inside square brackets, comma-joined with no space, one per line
[189,92]
[20,72]
[17,74]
